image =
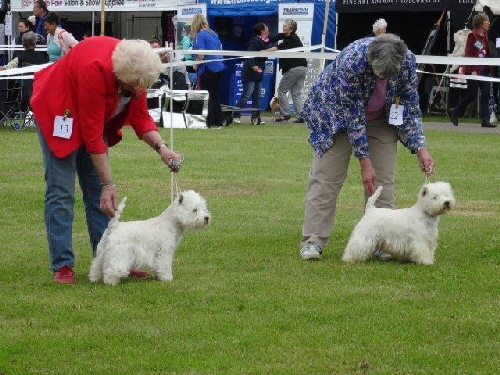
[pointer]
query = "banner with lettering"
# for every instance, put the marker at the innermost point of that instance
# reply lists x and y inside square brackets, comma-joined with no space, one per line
[95,5]
[355,6]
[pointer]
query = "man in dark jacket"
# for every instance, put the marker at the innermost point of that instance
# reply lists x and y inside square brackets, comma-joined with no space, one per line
[253,71]
[294,73]
[40,11]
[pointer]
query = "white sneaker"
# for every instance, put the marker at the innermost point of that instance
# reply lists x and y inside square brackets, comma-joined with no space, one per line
[236,120]
[310,251]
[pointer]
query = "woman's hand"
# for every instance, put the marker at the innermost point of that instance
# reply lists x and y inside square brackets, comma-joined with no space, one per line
[108,201]
[167,155]
[154,139]
[368,176]
[109,195]
[426,162]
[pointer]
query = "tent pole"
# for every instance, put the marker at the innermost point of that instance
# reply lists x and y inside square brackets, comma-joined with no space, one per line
[336,29]
[448,32]
[323,36]
[103,18]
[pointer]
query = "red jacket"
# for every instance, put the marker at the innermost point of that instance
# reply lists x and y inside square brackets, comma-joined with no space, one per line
[477,46]
[83,82]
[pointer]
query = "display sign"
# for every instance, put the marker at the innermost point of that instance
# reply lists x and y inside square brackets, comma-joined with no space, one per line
[355,6]
[8,24]
[95,5]
[182,25]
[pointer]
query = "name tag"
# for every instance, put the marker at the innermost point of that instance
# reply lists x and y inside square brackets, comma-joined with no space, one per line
[396,114]
[63,127]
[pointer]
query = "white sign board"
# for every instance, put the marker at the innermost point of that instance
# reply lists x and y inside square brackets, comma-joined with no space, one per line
[182,25]
[185,13]
[95,5]
[8,24]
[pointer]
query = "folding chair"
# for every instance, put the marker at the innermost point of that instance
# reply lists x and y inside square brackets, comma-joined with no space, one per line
[11,113]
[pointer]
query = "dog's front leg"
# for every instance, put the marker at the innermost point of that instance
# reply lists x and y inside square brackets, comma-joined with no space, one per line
[163,267]
[421,254]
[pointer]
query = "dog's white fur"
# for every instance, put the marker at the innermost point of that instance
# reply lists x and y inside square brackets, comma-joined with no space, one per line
[147,244]
[408,234]
[275,106]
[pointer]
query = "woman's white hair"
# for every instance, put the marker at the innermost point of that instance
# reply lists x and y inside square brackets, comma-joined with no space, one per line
[379,24]
[136,63]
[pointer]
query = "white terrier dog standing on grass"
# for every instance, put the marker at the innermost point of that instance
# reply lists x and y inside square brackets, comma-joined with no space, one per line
[147,244]
[408,234]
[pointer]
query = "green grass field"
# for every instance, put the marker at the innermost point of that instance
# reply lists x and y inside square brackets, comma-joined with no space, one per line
[242,301]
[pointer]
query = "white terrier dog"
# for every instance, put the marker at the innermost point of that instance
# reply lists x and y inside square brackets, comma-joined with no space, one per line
[147,244]
[408,234]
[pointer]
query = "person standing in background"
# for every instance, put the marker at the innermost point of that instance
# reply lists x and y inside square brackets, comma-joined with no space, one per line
[294,73]
[379,27]
[59,41]
[40,11]
[477,46]
[253,72]
[210,73]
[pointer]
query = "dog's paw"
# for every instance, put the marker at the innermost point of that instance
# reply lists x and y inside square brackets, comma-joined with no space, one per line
[165,277]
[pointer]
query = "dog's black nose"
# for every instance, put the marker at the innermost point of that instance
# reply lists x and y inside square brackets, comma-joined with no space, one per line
[446,204]
[206,219]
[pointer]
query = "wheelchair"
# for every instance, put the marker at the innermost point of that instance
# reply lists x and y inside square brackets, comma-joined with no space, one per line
[15,110]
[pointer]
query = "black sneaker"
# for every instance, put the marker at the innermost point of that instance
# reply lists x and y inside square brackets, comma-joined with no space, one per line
[453,118]
[488,125]
[299,120]
[282,119]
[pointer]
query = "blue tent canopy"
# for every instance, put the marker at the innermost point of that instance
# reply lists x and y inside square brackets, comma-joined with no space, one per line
[261,8]
[220,13]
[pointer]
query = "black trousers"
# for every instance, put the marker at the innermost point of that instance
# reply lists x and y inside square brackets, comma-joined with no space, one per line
[210,82]
[472,86]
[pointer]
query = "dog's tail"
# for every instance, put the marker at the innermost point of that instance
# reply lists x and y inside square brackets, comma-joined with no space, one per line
[114,221]
[370,203]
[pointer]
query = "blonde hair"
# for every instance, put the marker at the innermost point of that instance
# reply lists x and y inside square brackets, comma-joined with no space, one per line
[478,20]
[136,63]
[198,23]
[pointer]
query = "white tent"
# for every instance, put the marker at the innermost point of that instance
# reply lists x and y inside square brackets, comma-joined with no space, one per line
[494,5]
[132,18]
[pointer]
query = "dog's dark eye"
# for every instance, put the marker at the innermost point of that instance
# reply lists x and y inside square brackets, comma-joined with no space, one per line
[434,197]
[195,210]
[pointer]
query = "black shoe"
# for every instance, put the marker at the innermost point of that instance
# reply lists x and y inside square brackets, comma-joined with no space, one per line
[488,125]
[299,120]
[453,118]
[281,119]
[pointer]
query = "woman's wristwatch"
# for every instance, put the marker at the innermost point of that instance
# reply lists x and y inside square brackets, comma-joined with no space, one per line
[107,183]
[159,145]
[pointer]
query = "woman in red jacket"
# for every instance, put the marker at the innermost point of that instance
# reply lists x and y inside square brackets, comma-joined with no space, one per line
[80,103]
[477,46]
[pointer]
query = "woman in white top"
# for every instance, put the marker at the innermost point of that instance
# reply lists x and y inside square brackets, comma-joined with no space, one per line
[59,41]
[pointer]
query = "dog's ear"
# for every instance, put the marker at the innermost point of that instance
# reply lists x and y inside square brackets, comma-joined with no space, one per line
[424,191]
[181,198]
